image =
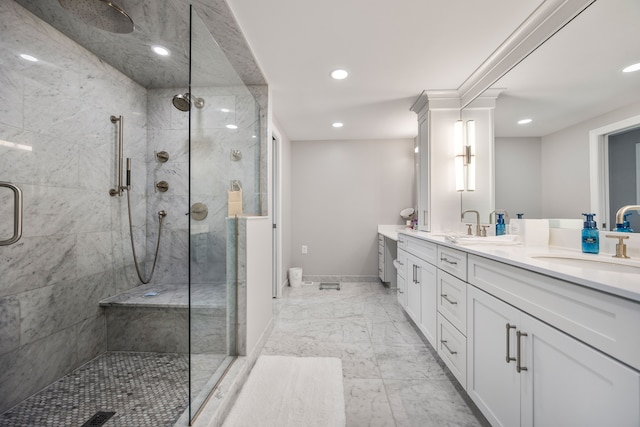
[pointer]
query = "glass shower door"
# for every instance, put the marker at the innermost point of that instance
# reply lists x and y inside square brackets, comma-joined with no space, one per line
[225,182]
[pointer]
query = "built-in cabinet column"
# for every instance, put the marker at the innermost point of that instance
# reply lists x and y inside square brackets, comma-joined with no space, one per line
[438,201]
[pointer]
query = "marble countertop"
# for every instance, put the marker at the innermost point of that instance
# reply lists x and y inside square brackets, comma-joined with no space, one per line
[391,231]
[602,276]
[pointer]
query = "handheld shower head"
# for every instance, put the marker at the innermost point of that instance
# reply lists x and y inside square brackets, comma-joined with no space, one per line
[183,101]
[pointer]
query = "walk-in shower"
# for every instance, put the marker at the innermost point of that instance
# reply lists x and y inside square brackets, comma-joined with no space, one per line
[183,101]
[82,325]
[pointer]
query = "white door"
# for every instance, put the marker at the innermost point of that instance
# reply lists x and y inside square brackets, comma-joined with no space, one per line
[568,383]
[492,381]
[275,217]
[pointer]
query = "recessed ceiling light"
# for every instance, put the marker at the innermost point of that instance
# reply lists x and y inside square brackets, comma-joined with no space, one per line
[524,121]
[232,127]
[28,57]
[632,68]
[160,50]
[225,110]
[337,125]
[339,74]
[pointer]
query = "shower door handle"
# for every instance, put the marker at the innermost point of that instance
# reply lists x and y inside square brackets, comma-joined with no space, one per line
[17,214]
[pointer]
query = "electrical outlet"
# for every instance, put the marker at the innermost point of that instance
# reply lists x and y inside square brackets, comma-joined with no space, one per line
[304,249]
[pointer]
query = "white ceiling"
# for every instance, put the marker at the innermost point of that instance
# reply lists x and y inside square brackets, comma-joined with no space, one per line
[392,49]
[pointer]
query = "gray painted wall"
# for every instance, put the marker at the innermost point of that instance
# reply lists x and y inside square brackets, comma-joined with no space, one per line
[518,176]
[340,192]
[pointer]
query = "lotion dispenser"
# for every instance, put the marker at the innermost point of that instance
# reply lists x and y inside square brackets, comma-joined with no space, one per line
[590,241]
[625,227]
[500,227]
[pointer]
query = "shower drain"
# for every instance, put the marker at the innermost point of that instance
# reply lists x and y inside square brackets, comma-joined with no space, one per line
[98,419]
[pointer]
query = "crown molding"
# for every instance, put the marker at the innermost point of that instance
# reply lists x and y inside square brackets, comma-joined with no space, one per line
[544,22]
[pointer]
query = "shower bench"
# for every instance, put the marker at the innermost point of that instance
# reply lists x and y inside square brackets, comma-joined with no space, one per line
[155,318]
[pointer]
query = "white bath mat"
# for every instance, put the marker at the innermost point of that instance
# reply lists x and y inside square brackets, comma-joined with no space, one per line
[287,391]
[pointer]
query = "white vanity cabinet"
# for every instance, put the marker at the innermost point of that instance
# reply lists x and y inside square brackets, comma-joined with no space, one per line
[523,372]
[420,276]
[452,311]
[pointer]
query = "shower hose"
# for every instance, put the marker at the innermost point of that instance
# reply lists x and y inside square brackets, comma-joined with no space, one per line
[161,216]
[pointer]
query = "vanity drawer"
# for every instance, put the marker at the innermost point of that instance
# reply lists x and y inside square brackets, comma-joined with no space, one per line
[424,250]
[606,322]
[453,262]
[452,348]
[452,300]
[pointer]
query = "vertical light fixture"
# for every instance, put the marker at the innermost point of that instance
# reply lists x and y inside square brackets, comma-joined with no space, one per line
[465,146]
[458,138]
[470,155]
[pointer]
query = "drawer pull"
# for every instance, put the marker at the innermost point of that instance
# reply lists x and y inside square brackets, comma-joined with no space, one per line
[509,358]
[449,262]
[518,366]
[450,301]
[444,343]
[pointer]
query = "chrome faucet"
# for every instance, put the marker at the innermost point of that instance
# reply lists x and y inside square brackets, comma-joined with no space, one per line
[502,211]
[477,220]
[623,210]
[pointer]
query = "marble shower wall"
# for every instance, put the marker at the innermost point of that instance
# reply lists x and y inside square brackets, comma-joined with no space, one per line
[59,146]
[212,170]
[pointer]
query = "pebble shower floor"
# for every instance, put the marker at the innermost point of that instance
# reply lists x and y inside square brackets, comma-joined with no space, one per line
[143,389]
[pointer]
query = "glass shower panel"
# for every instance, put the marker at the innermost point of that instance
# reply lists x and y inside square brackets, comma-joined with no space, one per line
[225,170]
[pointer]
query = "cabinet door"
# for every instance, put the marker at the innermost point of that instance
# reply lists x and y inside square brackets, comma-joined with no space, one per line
[567,383]
[492,381]
[402,291]
[402,277]
[413,289]
[428,283]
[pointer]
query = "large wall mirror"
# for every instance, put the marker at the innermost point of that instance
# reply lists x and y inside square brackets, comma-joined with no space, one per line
[569,88]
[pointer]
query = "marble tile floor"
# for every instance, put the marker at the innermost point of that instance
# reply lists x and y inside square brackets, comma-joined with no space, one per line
[130,384]
[391,376]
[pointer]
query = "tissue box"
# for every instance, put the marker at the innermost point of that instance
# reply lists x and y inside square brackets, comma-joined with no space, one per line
[532,232]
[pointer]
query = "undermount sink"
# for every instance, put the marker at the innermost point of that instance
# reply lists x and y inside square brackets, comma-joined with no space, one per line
[598,262]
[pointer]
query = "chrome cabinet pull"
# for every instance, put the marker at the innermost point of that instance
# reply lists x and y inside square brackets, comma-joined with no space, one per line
[509,358]
[518,366]
[450,301]
[17,214]
[415,280]
[444,343]
[448,262]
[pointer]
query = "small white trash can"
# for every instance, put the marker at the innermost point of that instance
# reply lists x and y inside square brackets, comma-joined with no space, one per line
[295,277]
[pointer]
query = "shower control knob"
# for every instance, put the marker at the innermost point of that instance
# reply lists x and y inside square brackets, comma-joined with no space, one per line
[162,156]
[162,186]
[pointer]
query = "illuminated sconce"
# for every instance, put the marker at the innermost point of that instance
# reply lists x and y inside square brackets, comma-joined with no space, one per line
[465,162]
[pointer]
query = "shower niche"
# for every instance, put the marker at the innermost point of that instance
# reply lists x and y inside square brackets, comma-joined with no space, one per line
[79,284]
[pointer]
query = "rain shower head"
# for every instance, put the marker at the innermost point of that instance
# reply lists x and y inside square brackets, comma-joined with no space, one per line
[103,14]
[183,101]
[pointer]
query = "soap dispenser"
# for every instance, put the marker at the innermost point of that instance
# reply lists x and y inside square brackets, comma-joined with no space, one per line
[590,240]
[625,227]
[500,227]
